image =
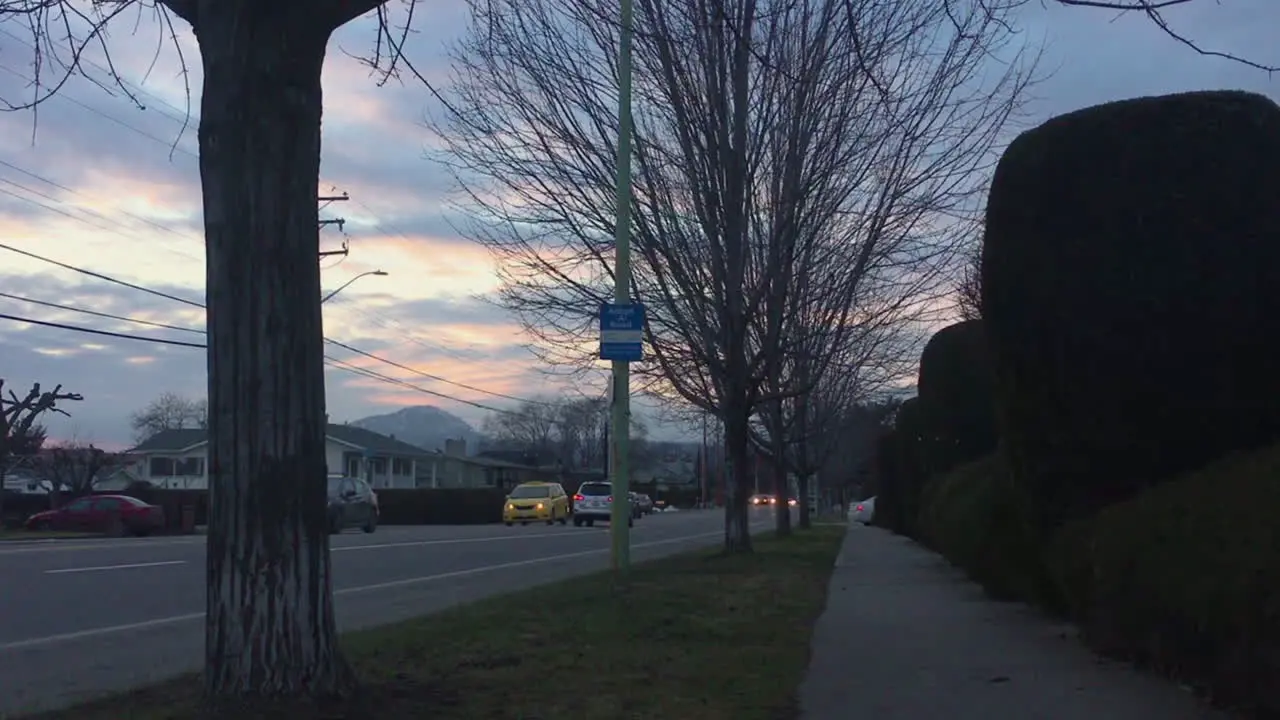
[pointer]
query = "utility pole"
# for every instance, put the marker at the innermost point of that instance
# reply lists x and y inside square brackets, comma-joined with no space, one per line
[340,222]
[619,527]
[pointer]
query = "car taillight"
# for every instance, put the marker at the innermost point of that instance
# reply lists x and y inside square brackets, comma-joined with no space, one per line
[859,508]
[609,499]
[579,497]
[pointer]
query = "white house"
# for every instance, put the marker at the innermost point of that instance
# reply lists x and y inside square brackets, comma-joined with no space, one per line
[178,458]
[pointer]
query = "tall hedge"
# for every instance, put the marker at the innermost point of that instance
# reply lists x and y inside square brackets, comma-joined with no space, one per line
[1131,289]
[901,471]
[956,391]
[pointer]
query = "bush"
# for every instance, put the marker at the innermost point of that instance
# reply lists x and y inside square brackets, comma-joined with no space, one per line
[1186,578]
[17,507]
[973,517]
[901,471]
[441,506]
[1130,291]
[956,390]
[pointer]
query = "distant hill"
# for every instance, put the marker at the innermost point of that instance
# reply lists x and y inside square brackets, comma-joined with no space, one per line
[423,425]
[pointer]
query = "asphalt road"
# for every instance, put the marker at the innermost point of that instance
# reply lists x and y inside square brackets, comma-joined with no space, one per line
[82,618]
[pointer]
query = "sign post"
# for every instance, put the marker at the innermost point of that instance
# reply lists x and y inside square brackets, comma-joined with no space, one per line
[622,342]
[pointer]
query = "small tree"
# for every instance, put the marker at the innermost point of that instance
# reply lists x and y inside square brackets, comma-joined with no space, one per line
[19,432]
[73,468]
[170,411]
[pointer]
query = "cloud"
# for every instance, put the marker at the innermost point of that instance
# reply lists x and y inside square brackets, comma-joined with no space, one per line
[114,187]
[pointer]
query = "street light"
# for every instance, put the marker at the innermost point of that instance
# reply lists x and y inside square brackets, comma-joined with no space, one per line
[326,298]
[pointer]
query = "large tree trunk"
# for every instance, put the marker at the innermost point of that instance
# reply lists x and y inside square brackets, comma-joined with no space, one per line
[806,512]
[737,523]
[270,630]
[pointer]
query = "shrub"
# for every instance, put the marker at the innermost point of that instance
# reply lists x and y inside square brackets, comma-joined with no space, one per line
[1130,290]
[441,506]
[901,471]
[17,507]
[956,391]
[972,517]
[1186,578]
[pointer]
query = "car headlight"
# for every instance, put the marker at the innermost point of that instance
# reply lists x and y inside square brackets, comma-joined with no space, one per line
[541,506]
[511,506]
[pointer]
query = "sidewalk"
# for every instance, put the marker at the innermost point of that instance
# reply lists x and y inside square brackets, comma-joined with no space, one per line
[906,636]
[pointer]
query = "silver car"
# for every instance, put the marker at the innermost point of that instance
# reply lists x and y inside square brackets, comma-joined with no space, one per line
[594,501]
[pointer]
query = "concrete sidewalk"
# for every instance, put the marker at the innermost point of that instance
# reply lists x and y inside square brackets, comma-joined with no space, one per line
[906,636]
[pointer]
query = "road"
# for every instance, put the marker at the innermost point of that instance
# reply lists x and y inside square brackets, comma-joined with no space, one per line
[80,618]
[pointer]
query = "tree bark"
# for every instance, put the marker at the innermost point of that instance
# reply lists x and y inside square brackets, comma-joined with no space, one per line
[270,630]
[806,512]
[737,524]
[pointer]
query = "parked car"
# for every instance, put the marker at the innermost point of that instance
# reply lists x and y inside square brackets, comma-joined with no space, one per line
[637,512]
[864,512]
[536,501]
[593,502]
[352,503]
[645,503]
[100,513]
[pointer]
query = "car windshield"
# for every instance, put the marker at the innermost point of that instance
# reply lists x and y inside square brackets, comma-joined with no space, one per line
[596,489]
[531,492]
[130,500]
[334,482]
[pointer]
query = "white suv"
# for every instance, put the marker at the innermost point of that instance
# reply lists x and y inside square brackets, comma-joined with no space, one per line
[594,501]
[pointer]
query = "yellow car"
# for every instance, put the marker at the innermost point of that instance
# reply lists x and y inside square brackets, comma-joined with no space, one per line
[536,501]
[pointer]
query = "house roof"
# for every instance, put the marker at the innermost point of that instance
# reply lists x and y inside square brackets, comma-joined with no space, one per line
[171,441]
[366,440]
[371,441]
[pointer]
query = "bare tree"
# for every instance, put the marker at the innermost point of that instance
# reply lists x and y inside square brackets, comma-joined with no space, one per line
[270,628]
[531,427]
[170,411]
[1156,11]
[969,291]
[532,134]
[20,434]
[74,468]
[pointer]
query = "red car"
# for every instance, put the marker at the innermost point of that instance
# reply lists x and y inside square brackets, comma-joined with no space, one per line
[95,513]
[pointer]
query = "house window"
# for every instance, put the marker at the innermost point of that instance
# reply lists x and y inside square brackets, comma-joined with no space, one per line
[353,466]
[189,467]
[161,467]
[378,466]
[401,466]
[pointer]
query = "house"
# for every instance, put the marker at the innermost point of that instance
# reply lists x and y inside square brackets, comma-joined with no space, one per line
[453,468]
[178,458]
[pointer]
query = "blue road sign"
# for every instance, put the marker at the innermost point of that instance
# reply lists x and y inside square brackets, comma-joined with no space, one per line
[622,332]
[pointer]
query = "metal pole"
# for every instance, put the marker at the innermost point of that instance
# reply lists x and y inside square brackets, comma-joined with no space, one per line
[621,519]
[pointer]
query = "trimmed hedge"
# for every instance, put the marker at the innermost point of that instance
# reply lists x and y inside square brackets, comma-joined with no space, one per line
[1186,579]
[15,508]
[1131,292]
[441,506]
[957,397]
[901,471]
[973,517]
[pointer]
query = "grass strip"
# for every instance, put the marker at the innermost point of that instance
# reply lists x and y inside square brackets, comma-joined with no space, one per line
[699,636]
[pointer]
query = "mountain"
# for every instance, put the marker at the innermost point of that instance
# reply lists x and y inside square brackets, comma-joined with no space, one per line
[423,425]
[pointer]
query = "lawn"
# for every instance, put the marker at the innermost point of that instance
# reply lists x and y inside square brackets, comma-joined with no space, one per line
[700,636]
[14,535]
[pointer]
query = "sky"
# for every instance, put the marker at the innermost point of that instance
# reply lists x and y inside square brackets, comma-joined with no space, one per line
[94,180]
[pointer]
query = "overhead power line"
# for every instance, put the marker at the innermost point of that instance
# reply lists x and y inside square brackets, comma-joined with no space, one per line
[193,303]
[96,313]
[328,360]
[105,333]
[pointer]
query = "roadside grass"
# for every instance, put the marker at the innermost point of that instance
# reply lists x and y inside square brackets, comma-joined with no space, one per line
[700,636]
[19,534]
